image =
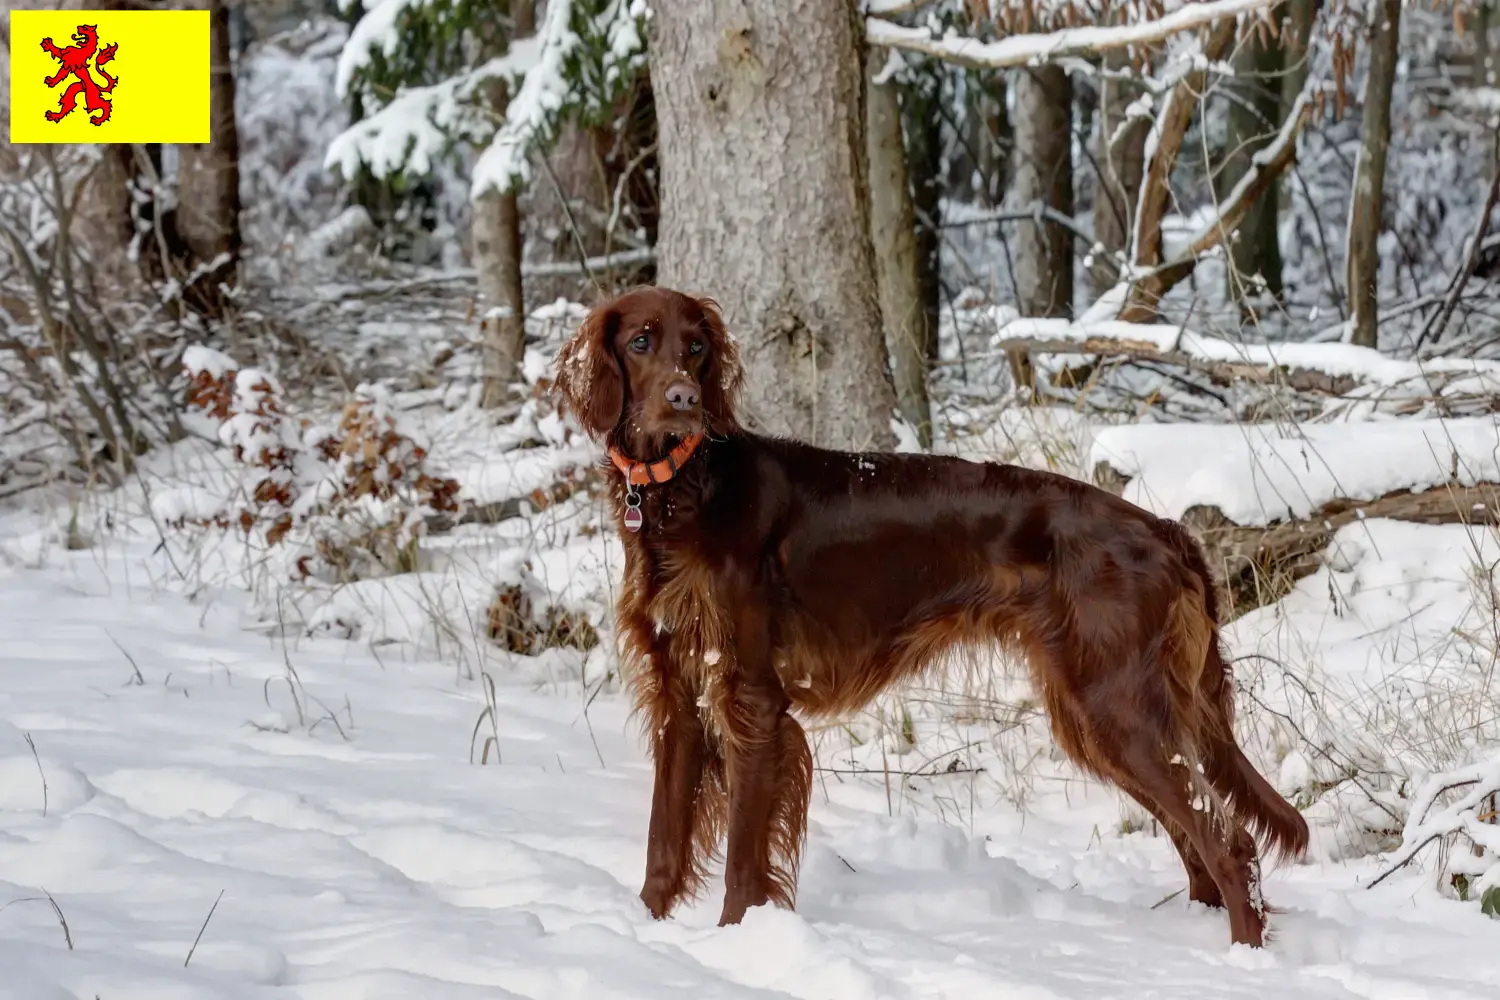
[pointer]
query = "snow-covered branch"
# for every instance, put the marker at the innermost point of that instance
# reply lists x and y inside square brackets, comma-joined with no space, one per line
[583,52]
[503,164]
[1043,47]
[377,30]
[1266,166]
[421,122]
[893,8]
[1472,814]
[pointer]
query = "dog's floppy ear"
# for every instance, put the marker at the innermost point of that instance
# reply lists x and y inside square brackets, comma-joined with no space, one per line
[724,375]
[588,379]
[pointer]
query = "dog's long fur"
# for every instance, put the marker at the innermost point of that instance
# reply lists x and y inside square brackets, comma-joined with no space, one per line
[771,575]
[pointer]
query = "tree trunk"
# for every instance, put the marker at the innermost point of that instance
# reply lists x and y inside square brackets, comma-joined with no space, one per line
[1297,33]
[208,174]
[1043,173]
[1254,118]
[1369,174]
[924,152]
[1122,159]
[495,232]
[999,139]
[893,231]
[765,204]
[1484,74]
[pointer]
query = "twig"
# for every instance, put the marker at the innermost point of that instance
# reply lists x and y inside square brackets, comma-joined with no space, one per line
[139,681]
[573,230]
[37,757]
[1439,320]
[206,919]
[46,897]
[1167,899]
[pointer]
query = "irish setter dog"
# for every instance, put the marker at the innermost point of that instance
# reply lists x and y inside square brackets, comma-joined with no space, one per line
[763,575]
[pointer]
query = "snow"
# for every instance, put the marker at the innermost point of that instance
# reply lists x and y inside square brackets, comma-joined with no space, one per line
[320,799]
[1261,473]
[1373,673]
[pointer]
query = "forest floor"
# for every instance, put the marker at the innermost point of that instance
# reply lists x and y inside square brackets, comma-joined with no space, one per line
[213,812]
[219,782]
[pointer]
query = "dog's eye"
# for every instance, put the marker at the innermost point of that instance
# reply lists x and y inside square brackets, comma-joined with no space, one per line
[696,347]
[640,344]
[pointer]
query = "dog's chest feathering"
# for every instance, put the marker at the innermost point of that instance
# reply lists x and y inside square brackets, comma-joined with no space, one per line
[687,615]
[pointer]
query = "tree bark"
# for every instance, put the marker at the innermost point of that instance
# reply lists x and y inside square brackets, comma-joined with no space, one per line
[1369,174]
[1254,119]
[1043,172]
[924,152]
[208,174]
[1484,74]
[765,204]
[1122,160]
[1296,35]
[495,235]
[893,231]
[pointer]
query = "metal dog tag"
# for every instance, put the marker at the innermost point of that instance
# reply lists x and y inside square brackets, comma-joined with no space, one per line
[634,519]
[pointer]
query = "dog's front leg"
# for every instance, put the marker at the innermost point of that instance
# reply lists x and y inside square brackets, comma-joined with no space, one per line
[687,802]
[770,782]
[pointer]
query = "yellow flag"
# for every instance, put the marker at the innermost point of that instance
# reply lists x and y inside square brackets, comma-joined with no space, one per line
[90,76]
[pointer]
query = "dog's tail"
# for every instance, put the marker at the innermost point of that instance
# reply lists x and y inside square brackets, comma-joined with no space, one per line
[1201,692]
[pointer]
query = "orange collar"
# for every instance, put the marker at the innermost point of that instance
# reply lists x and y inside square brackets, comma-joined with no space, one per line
[659,471]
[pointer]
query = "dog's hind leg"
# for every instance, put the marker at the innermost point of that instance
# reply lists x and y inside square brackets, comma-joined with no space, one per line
[1201,885]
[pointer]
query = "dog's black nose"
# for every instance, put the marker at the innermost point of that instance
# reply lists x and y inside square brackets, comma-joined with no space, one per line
[682,395]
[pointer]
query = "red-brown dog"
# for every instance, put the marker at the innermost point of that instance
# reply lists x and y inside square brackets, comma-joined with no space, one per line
[764,575]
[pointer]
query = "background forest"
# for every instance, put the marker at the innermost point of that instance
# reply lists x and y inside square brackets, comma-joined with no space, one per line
[283,495]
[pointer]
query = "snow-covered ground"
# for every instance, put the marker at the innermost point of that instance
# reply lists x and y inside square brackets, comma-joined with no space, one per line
[315,815]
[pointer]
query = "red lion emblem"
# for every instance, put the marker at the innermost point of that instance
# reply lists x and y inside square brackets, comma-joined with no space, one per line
[75,62]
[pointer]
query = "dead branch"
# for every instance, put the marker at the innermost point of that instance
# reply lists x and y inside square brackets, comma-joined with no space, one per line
[1219,372]
[1265,170]
[1165,143]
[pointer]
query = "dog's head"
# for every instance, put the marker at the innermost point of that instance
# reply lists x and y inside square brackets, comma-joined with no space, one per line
[648,367]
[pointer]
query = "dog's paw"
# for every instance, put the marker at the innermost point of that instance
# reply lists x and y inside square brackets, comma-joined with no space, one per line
[658,897]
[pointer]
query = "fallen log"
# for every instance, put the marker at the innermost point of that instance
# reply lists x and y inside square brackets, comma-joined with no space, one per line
[1222,373]
[1258,565]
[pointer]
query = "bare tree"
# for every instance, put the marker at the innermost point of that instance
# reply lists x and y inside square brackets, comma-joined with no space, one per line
[1296,34]
[207,218]
[893,231]
[1254,118]
[497,249]
[765,204]
[1043,178]
[1122,158]
[1369,172]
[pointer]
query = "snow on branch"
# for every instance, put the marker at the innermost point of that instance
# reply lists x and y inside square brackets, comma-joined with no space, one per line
[1472,815]
[378,29]
[421,122]
[1042,47]
[1332,369]
[503,164]
[584,52]
[1266,167]
[893,8]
